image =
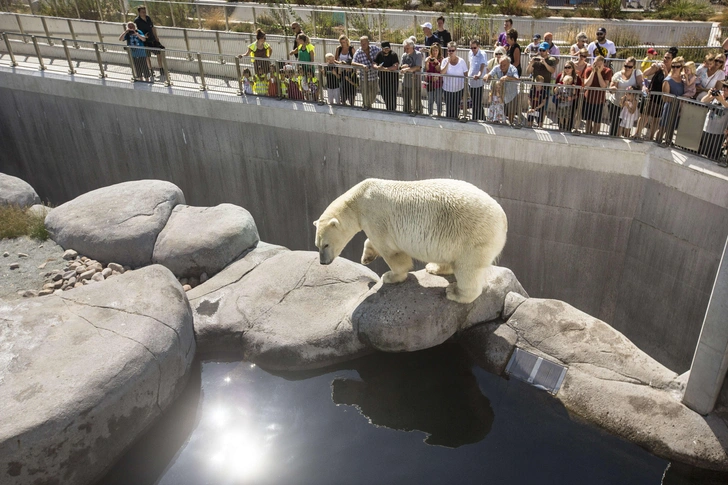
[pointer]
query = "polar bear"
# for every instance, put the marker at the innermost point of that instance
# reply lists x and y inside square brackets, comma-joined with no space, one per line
[452,225]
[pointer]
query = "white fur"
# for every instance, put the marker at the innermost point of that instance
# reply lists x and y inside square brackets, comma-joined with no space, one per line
[451,224]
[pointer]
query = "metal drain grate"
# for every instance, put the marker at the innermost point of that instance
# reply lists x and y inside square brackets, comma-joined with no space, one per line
[538,372]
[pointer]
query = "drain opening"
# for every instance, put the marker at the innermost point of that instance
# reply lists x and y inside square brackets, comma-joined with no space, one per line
[535,370]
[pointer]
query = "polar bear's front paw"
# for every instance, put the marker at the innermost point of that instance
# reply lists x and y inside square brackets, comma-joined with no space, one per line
[455,294]
[392,277]
[441,269]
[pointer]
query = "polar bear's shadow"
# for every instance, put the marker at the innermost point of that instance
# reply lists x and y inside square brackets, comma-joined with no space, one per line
[433,391]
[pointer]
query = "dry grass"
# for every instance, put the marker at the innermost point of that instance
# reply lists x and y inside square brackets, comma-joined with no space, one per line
[16,222]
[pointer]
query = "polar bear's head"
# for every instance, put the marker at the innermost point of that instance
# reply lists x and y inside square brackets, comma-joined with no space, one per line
[331,238]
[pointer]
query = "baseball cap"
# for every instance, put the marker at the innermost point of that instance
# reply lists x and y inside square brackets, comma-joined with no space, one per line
[652,51]
[426,25]
[545,46]
[536,36]
[601,30]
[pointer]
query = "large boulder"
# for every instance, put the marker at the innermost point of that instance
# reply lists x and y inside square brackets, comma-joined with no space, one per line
[84,373]
[416,314]
[610,381]
[200,240]
[15,191]
[118,223]
[286,313]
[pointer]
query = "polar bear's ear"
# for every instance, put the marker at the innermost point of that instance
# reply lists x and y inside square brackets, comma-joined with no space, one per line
[315,223]
[334,222]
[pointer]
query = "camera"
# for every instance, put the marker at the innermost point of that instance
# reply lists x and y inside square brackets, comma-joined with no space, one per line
[714,92]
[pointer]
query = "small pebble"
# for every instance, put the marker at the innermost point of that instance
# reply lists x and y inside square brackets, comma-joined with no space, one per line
[203,278]
[6,254]
[14,265]
[78,284]
[72,281]
[47,285]
[74,265]
[70,254]
[116,267]
[40,247]
[42,266]
[106,272]
[57,276]
[28,293]
[81,269]
[69,274]
[22,255]
[186,287]
[183,281]
[58,292]
[86,275]
[58,284]
[97,277]
[45,292]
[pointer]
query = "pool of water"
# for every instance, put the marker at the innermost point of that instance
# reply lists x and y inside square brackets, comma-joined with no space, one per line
[428,417]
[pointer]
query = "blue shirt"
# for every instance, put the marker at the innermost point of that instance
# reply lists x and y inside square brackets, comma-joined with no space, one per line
[476,62]
[511,87]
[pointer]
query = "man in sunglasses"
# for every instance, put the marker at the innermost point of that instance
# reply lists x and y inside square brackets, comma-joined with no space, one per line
[478,60]
[544,64]
[602,46]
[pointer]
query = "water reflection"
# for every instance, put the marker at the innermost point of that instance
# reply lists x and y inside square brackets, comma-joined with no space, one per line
[433,391]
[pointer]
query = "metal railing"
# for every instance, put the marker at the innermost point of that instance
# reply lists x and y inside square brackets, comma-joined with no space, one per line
[662,118]
[379,24]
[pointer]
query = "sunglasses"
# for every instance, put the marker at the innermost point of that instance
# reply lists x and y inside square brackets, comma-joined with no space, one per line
[568,67]
[542,50]
[628,67]
[582,55]
[677,66]
[475,47]
[599,34]
[452,50]
[719,61]
[498,55]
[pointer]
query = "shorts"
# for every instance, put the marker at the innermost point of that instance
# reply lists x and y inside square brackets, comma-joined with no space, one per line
[153,44]
[592,112]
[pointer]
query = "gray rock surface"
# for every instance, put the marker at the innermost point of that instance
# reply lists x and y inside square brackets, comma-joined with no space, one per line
[416,315]
[287,312]
[200,240]
[117,223]
[84,373]
[40,210]
[15,191]
[612,383]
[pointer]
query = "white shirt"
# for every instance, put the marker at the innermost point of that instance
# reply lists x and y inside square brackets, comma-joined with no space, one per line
[608,44]
[453,84]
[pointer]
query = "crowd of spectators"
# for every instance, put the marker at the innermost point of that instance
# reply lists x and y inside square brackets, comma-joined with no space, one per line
[512,86]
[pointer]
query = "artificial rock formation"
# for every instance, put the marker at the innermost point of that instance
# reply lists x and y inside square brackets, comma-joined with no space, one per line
[116,223]
[83,374]
[15,191]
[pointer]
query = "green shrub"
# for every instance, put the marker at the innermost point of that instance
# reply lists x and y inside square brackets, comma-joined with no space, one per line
[684,10]
[610,9]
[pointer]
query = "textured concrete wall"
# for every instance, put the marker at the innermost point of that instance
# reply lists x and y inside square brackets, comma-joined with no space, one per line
[629,233]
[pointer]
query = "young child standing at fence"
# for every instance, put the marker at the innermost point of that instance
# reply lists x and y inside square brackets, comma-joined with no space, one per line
[260,81]
[247,82]
[134,37]
[333,80]
[536,103]
[565,102]
[629,114]
[690,80]
[273,81]
[496,113]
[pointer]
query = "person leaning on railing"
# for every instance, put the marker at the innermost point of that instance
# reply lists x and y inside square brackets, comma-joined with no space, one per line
[652,106]
[146,25]
[506,75]
[260,49]
[673,84]
[434,83]
[411,64]
[597,77]
[364,58]
[716,123]
[387,63]
[344,55]
[454,83]
[629,76]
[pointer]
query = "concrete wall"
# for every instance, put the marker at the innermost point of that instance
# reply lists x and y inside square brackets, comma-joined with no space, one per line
[630,233]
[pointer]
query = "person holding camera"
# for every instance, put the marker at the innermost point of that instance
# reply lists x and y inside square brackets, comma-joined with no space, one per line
[716,121]
[542,65]
[135,39]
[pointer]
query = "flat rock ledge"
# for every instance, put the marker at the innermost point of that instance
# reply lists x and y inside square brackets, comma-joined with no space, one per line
[18,192]
[610,381]
[83,374]
[116,223]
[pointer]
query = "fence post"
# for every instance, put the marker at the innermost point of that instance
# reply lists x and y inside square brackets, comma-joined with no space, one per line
[255,19]
[134,73]
[199,18]
[45,29]
[321,86]
[122,10]
[219,47]
[167,74]
[101,37]
[416,88]
[20,28]
[78,12]
[346,24]
[227,19]
[285,40]
[37,52]
[313,21]
[102,74]
[364,83]
[10,50]
[203,86]
[240,76]
[30,4]
[101,13]
[379,26]
[73,34]
[576,122]
[71,70]
[323,45]
[414,25]
[187,44]
[466,96]
[171,14]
